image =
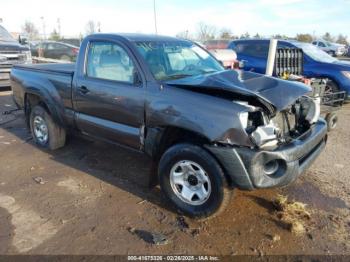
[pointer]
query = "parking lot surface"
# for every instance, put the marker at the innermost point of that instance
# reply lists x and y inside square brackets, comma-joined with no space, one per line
[93,198]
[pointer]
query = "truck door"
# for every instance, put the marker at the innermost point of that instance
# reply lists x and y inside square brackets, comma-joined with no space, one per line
[107,97]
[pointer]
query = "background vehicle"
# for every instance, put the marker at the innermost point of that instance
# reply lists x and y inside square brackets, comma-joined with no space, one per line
[317,64]
[333,49]
[72,41]
[216,44]
[11,53]
[208,130]
[55,50]
[227,57]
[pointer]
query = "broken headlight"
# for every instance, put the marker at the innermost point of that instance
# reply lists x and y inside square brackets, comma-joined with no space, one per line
[310,109]
[251,120]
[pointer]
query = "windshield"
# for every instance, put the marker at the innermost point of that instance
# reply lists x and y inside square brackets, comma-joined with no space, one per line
[4,35]
[315,53]
[177,59]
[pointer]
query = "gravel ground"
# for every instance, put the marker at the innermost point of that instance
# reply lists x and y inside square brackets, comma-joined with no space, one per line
[93,198]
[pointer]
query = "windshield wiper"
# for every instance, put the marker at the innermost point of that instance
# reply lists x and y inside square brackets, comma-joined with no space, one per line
[208,71]
[177,76]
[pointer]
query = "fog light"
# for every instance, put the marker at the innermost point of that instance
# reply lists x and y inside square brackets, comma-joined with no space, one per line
[271,167]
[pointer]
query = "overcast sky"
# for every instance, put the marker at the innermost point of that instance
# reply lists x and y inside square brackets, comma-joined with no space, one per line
[265,17]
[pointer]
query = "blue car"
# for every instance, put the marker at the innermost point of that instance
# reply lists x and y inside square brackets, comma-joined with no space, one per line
[317,63]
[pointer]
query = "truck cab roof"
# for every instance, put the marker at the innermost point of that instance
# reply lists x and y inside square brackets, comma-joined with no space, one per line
[135,37]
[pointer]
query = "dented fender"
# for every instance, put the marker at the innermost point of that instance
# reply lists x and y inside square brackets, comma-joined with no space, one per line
[214,118]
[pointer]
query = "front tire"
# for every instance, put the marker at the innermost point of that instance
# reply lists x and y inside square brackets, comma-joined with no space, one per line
[46,133]
[193,181]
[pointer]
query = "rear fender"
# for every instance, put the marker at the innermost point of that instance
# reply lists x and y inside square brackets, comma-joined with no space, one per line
[48,95]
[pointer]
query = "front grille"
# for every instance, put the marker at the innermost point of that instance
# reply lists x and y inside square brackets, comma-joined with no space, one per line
[9,52]
[289,61]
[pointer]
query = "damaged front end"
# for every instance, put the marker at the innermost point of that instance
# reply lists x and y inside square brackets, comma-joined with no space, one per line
[285,145]
[269,132]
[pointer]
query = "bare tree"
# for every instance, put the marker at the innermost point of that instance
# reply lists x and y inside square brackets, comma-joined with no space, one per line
[328,37]
[205,31]
[30,30]
[226,33]
[245,36]
[257,36]
[184,35]
[90,27]
[307,38]
[342,39]
[55,36]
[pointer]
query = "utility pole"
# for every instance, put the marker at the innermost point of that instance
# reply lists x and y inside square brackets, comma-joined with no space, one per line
[44,30]
[59,26]
[155,16]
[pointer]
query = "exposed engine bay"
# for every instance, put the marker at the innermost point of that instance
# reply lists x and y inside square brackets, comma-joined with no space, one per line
[269,132]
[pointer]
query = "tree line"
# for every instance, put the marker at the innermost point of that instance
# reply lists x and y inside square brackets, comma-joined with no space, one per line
[203,32]
[32,31]
[206,32]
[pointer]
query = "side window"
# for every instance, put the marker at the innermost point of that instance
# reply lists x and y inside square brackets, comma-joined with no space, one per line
[253,49]
[321,44]
[58,46]
[61,47]
[314,43]
[239,48]
[109,61]
[49,46]
[232,46]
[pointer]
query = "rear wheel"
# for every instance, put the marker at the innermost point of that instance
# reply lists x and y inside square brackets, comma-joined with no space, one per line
[65,58]
[46,133]
[331,87]
[193,181]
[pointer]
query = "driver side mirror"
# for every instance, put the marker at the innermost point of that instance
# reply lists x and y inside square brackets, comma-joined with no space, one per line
[22,41]
[137,80]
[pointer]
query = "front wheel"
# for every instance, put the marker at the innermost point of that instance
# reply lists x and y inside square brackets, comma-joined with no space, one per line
[46,133]
[193,181]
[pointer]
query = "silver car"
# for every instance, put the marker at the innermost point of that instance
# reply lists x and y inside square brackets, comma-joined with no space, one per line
[333,49]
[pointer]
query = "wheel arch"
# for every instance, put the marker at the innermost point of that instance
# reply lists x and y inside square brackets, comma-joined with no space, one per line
[159,139]
[32,99]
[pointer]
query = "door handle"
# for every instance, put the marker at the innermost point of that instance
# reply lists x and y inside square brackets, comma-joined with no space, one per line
[84,90]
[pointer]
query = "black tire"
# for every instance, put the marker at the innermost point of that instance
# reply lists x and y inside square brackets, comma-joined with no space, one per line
[220,194]
[56,134]
[332,53]
[332,120]
[66,58]
[331,87]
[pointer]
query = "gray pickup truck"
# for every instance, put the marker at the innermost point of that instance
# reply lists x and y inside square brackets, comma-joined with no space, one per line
[11,53]
[207,130]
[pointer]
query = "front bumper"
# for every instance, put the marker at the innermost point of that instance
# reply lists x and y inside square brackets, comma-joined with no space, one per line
[5,76]
[245,167]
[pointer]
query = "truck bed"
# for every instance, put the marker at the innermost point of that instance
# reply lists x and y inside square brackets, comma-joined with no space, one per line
[67,68]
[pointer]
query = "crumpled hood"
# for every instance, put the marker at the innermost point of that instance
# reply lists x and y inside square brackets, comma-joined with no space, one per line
[280,93]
